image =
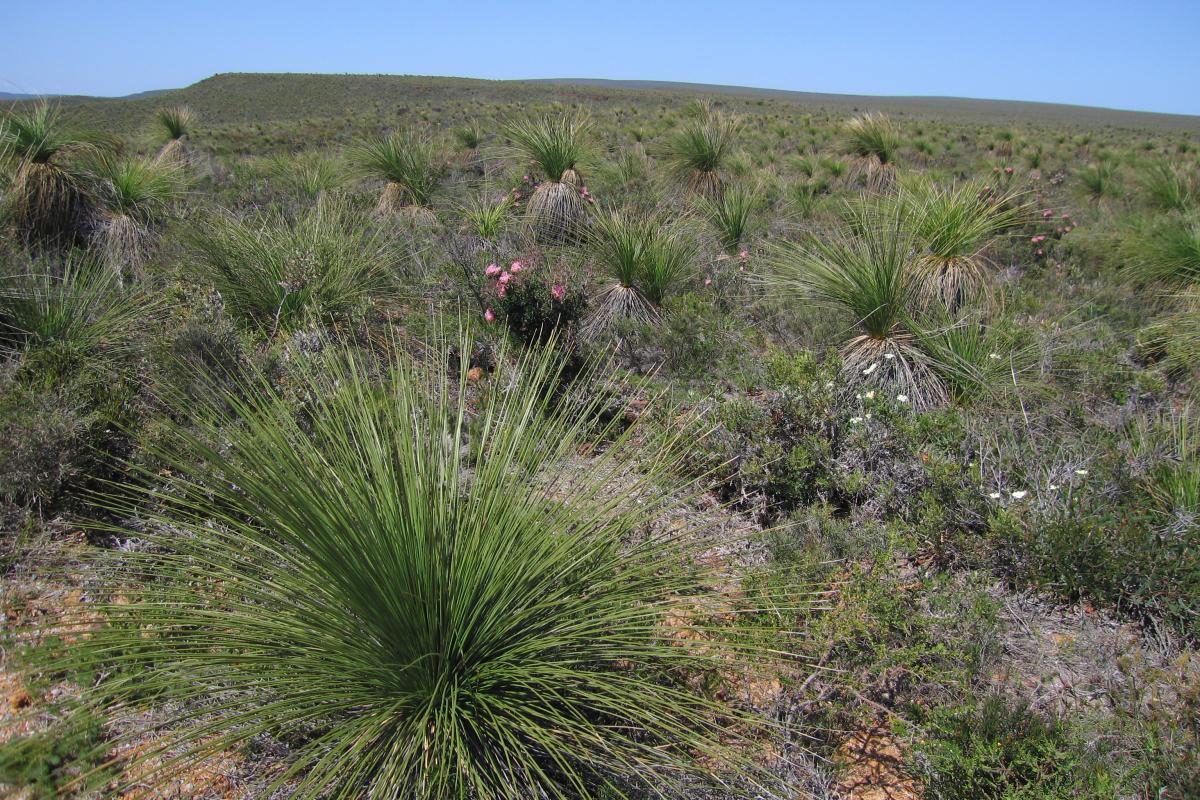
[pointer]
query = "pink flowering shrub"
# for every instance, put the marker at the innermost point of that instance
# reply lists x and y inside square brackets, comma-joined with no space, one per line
[530,301]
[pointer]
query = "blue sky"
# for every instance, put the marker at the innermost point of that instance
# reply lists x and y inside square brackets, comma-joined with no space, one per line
[1137,55]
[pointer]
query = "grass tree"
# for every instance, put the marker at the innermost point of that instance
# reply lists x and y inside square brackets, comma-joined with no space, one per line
[410,163]
[978,359]
[874,143]
[276,273]
[1165,251]
[643,259]
[556,145]
[700,150]
[1174,338]
[132,195]
[46,195]
[69,312]
[176,122]
[731,214]
[468,136]
[865,269]
[954,226]
[414,589]
[1169,187]
[488,218]
[309,175]
[1099,180]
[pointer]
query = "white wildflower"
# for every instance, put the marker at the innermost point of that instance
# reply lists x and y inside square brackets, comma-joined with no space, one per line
[1020,493]
[994,495]
[1081,472]
[1052,486]
[903,398]
[870,395]
[856,420]
[994,356]
[889,356]
[871,368]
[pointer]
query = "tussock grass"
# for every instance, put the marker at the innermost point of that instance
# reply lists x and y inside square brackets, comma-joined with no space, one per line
[732,214]
[701,149]
[176,122]
[1168,187]
[132,194]
[308,175]
[874,142]
[643,260]
[1165,251]
[557,145]
[46,197]
[73,309]
[410,163]
[275,273]
[954,226]
[430,601]
[865,269]
[488,218]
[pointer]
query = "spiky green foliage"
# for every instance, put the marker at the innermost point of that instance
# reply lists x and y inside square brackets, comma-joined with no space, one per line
[275,273]
[954,226]
[1165,251]
[46,195]
[872,136]
[700,150]
[1174,481]
[74,310]
[488,217]
[873,140]
[557,144]
[132,194]
[469,136]
[411,164]
[974,359]
[732,214]
[1099,180]
[643,259]
[1174,338]
[865,269]
[556,211]
[139,188]
[308,175]
[1168,187]
[422,592]
[176,121]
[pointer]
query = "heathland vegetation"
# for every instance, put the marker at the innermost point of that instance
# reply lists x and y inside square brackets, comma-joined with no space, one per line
[422,438]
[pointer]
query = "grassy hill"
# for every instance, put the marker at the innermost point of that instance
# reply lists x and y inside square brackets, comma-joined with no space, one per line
[232,99]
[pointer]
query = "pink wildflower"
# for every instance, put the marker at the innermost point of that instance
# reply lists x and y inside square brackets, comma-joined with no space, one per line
[743,255]
[516,268]
[492,271]
[708,281]
[505,278]
[489,315]
[1047,214]
[558,292]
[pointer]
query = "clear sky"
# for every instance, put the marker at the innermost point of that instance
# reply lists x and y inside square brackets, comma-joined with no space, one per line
[1136,55]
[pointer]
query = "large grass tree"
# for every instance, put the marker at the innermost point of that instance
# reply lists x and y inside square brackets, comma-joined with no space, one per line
[420,589]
